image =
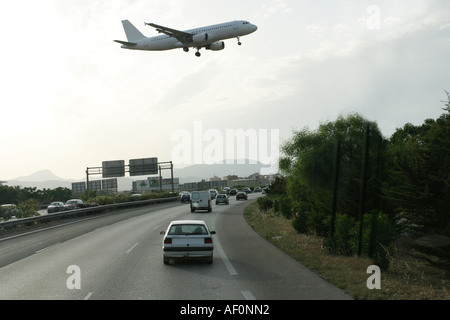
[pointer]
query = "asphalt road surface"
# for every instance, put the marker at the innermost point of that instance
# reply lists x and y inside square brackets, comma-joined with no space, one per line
[119,256]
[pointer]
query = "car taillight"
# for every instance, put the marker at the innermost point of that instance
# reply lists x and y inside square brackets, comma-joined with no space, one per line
[168,241]
[208,240]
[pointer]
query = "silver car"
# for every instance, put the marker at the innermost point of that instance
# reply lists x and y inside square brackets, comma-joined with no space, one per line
[222,198]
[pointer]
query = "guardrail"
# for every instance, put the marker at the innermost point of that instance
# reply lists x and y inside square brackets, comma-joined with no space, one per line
[70,214]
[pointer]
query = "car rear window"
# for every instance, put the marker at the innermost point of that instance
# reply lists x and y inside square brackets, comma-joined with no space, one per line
[187,229]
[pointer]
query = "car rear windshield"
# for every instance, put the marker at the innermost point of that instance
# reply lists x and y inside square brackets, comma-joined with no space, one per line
[187,229]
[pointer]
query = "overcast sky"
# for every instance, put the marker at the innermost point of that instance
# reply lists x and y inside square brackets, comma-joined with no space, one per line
[72,98]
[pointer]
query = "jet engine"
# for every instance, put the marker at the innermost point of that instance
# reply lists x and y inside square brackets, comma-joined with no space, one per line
[200,38]
[216,46]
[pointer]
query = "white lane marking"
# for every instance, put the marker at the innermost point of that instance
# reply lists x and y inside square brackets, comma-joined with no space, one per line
[129,250]
[248,295]
[53,245]
[231,270]
[88,296]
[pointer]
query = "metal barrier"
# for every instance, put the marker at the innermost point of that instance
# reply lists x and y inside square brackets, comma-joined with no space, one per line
[32,221]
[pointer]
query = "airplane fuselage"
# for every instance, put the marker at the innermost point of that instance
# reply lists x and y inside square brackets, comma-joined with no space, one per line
[208,37]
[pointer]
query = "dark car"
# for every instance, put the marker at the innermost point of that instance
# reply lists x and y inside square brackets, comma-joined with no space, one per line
[185,197]
[241,195]
[222,198]
[233,192]
[247,190]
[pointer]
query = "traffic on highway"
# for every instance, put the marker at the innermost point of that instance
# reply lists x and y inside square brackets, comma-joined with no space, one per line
[123,256]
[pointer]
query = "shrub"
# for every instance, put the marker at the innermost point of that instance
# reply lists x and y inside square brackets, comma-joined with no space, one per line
[285,207]
[299,223]
[378,235]
[265,203]
[343,236]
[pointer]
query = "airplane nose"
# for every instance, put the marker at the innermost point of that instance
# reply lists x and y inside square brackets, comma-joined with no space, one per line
[254,28]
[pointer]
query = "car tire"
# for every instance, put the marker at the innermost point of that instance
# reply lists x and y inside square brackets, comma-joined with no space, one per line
[165,260]
[209,260]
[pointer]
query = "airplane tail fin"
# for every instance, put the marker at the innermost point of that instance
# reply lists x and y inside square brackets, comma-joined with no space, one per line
[132,33]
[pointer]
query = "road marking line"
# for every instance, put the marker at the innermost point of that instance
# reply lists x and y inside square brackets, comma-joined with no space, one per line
[248,295]
[43,249]
[88,296]
[231,270]
[129,250]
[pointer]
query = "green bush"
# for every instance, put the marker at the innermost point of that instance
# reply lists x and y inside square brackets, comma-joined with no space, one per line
[285,207]
[276,205]
[299,223]
[379,233]
[342,241]
[265,203]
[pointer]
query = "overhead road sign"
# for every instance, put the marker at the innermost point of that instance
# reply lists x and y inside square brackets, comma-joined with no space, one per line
[141,167]
[113,169]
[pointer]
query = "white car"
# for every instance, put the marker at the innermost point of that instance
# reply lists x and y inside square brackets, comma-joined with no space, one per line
[55,206]
[188,239]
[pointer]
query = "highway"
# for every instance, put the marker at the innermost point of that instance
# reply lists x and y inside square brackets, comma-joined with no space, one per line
[119,257]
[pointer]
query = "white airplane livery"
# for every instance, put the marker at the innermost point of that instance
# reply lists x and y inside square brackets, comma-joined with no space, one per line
[210,37]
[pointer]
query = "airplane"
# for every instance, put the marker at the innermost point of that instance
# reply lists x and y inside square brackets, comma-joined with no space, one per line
[209,37]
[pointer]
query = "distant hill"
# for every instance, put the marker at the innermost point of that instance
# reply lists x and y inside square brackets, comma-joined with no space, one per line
[43,175]
[198,172]
[43,179]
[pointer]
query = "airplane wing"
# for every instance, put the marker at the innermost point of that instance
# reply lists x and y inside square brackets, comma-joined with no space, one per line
[181,36]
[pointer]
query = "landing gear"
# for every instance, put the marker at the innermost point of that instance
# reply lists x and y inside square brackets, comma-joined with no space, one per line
[239,41]
[198,54]
[186,49]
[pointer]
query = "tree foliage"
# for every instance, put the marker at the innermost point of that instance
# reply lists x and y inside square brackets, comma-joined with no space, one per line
[308,162]
[418,185]
[408,175]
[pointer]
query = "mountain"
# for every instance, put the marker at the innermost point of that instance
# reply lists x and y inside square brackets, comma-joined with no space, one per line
[43,175]
[196,173]
[43,179]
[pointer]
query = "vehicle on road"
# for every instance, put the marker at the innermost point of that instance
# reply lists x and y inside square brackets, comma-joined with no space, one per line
[9,212]
[187,239]
[9,207]
[55,206]
[222,198]
[213,193]
[247,190]
[233,192]
[257,189]
[200,200]
[185,197]
[241,195]
[73,203]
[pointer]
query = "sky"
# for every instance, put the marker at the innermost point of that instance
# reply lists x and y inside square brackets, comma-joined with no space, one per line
[71,98]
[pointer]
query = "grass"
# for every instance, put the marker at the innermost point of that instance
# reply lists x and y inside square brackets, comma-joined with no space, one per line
[411,276]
